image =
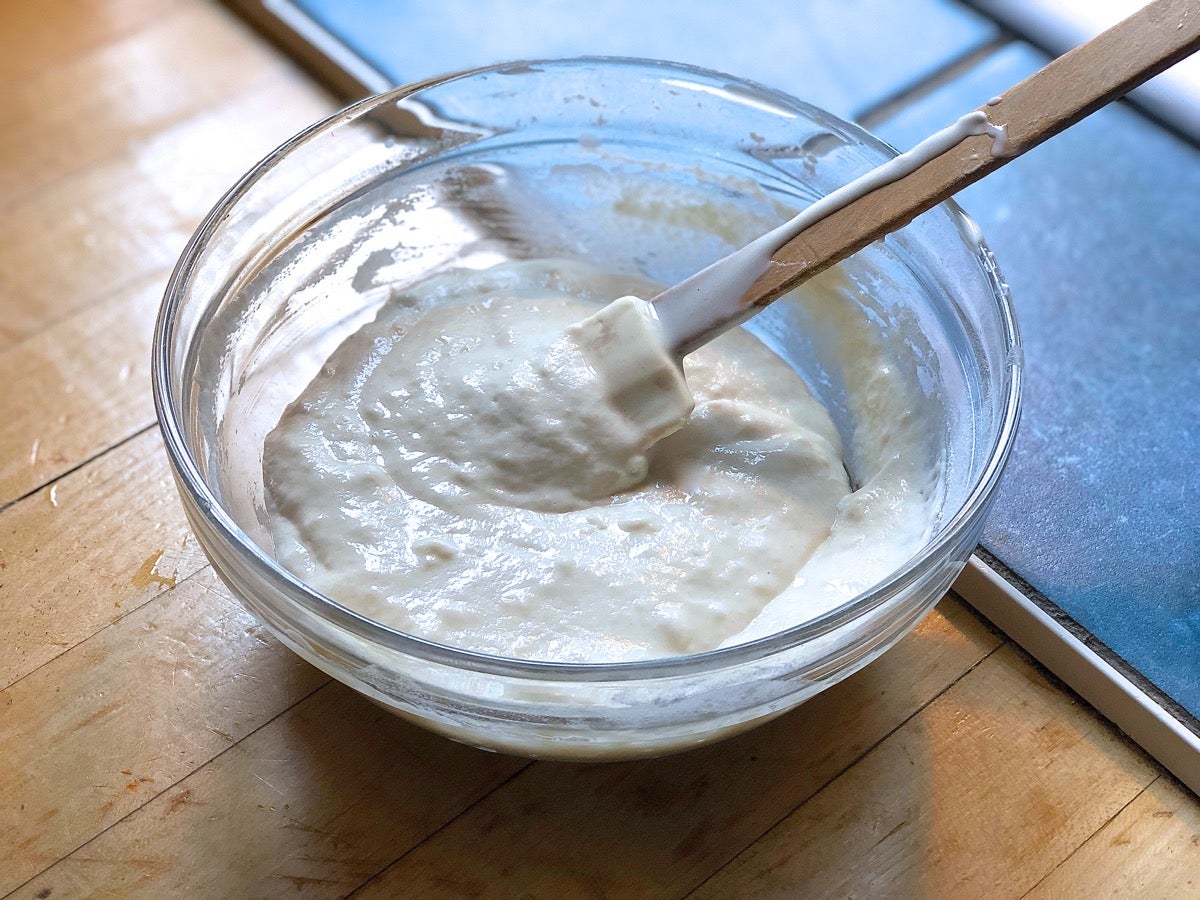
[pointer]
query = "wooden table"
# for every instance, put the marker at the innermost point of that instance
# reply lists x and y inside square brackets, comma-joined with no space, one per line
[155,741]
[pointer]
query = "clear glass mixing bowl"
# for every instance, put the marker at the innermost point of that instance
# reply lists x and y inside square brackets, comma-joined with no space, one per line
[642,167]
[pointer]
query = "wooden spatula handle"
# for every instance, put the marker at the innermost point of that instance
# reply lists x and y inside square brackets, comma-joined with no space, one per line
[1052,99]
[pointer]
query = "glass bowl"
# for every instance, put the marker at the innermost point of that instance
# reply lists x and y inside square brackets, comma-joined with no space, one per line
[641,167]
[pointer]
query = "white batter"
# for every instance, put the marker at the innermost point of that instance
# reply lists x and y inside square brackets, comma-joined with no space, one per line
[461,471]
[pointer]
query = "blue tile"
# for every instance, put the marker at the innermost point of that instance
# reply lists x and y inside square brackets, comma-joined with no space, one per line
[1098,233]
[844,55]
[1058,25]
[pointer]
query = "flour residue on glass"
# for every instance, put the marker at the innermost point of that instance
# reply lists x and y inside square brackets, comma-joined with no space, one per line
[714,298]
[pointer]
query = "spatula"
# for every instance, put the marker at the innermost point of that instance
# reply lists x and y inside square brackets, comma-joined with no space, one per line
[1073,86]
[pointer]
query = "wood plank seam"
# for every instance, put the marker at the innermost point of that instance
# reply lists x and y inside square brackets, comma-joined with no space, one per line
[127,609]
[447,824]
[1116,815]
[834,776]
[323,686]
[75,467]
[257,111]
[122,845]
[162,273]
[380,880]
[126,285]
[1057,682]
[774,859]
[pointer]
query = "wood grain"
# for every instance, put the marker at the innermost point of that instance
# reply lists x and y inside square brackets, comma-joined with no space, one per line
[311,805]
[76,388]
[957,803]
[129,215]
[181,63]
[83,552]
[1150,849]
[651,829]
[43,36]
[80,383]
[92,735]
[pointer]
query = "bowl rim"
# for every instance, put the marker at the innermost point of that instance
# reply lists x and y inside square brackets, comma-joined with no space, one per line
[190,481]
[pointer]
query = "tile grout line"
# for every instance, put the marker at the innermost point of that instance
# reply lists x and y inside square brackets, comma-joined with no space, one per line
[881,110]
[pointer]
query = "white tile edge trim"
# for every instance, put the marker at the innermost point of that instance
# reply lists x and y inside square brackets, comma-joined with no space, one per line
[1112,694]
[316,49]
[1059,25]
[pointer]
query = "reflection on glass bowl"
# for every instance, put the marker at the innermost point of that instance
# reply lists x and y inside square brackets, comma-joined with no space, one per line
[646,168]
